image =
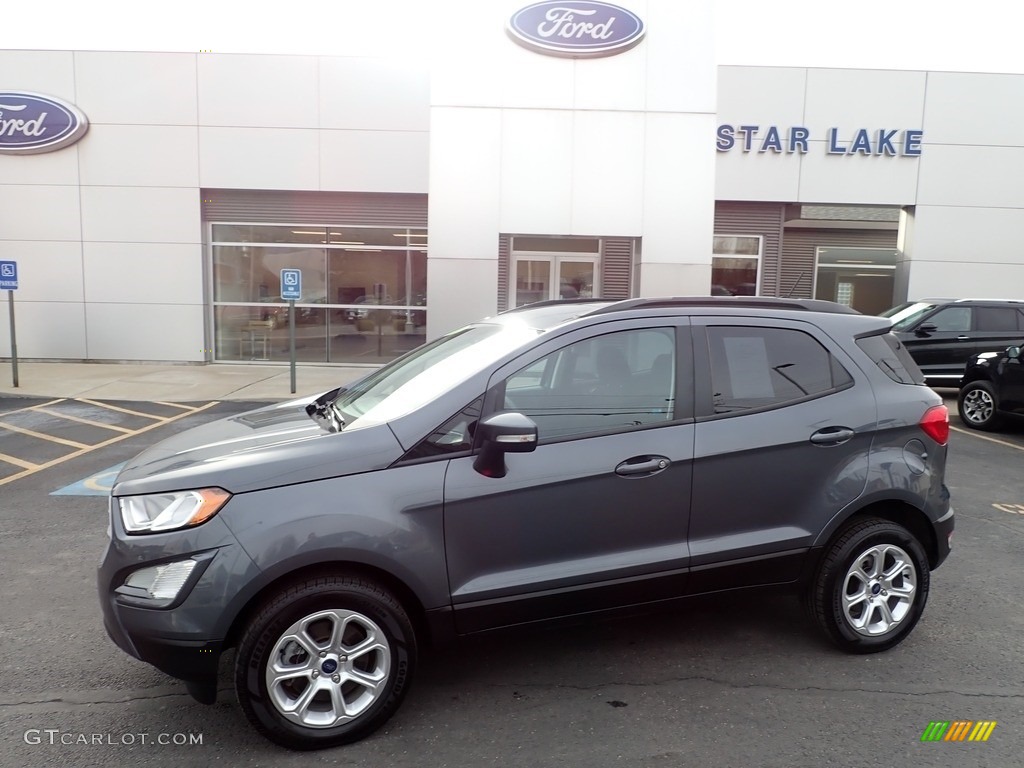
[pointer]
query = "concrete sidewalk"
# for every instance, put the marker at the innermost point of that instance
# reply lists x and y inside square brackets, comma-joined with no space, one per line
[174,383]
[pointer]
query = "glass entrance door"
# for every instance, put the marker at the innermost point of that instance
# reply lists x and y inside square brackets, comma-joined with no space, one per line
[540,277]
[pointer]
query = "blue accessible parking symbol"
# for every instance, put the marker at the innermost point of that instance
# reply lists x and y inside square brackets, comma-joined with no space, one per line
[8,275]
[291,284]
[98,484]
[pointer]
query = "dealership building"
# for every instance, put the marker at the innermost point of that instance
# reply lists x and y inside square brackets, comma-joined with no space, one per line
[150,201]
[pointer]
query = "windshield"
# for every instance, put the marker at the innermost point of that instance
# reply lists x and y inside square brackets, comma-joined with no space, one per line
[905,315]
[418,377]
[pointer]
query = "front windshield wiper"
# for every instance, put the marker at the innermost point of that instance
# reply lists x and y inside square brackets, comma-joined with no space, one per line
[325,413]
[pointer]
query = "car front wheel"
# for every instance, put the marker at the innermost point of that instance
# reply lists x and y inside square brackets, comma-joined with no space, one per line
[325,662]
[978,406]
[871,586]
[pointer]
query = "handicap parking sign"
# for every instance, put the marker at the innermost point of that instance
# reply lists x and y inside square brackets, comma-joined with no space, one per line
[8,275]
[291,284]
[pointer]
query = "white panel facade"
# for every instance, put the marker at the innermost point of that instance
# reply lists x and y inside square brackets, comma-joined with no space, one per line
[461,291]
[51,73]
[975,235]
[46,169]
[374,94]
[259,158]
[140,156]
[46,329]
[140,215]
[142,332]
[465,183]
[856,179]
[48,271]
[678,215]
[757,176]
[137,88]
[966,279]
[608,150]
[972,176]
[850,99]
[773,95]
[39,212]
[681,69]
[143,273]
[974,109]
[537,172]
[351,161]
[258,91]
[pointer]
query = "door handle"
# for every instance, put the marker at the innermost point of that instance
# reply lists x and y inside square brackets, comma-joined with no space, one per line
[963,338]
[832,436]
[642,465]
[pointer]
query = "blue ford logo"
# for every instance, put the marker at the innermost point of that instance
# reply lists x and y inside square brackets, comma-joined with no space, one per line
[576,28]
[31,123]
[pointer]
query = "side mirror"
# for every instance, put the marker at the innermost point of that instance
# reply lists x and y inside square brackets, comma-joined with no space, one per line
[500,434]
[926,330]
[1013,352]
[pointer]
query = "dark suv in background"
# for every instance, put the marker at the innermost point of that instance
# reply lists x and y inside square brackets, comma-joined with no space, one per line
[941,334]
[992,388]
[562,460]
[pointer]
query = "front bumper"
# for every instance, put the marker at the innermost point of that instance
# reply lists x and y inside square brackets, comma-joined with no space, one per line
[184,636]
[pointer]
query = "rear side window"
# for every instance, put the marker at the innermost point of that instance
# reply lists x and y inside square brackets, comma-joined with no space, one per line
[763,367]
[998,319]
[889,354]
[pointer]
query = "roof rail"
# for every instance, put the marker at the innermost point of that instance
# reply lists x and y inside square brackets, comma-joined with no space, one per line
[555,302]
[744,302]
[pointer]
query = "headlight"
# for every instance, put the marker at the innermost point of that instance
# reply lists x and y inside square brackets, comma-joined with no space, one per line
[168,511]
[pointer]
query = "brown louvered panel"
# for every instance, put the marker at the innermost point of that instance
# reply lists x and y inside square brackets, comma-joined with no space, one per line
[765,219]
[504,259]
[799,247]
[616,267]
[285,207]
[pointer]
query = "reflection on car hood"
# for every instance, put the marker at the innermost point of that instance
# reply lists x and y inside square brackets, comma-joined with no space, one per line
[273,446]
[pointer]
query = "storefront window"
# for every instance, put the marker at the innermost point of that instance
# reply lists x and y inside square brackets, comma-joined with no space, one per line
[545,268]
[364,292]
[734,265]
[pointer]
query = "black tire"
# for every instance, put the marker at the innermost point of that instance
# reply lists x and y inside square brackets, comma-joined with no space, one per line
[978,405]
[871,545]
[353,607]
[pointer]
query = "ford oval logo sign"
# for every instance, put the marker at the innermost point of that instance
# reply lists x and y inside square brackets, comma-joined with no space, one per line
[31,123]
[577,29]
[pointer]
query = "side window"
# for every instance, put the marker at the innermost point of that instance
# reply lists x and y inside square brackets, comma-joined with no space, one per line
[454,436]
[951,320]
[616,381]
[761,367]
[997,318]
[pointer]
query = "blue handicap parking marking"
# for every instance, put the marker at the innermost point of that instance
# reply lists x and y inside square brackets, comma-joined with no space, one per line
[98,484]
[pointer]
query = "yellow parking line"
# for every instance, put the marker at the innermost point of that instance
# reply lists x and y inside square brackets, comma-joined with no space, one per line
[111,441]
[80,420]
[41,436]
[175,405]
[17,462]
[122,410]
[995,440]
[38,405]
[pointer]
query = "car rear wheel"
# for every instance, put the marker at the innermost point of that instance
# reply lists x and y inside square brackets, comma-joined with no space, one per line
[325,662]
[871,586]
[978,405]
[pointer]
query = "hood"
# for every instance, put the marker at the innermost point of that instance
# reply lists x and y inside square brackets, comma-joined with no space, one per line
[265,448]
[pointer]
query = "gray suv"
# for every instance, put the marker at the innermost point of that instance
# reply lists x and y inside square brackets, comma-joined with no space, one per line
[566,458]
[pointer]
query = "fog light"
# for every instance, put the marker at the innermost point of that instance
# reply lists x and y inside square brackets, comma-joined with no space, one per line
[162,582]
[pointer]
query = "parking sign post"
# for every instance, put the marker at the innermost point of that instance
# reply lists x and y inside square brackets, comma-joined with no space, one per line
[9,280]
[291,291]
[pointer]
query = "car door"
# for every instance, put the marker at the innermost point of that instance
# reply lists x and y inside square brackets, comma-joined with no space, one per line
[1010,381]
[782,441]
[596,516]
[941,343]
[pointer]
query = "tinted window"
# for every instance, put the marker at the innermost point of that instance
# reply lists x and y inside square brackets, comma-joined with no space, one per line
[951,320]
[997,318]
[889,354]
[616,381]
[759,367]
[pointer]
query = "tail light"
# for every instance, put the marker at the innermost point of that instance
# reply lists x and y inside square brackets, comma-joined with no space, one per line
[935,424]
